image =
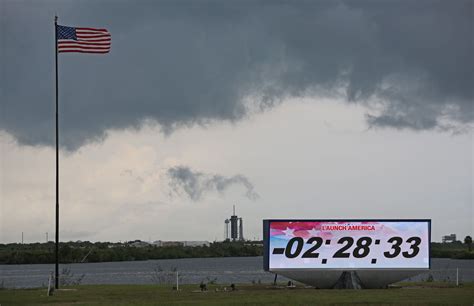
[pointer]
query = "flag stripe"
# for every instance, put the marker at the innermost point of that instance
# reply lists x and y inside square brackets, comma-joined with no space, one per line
[89,35]
[93,40]
[91,29]
[67,43]
[85,47]
[83,36]
[82,51]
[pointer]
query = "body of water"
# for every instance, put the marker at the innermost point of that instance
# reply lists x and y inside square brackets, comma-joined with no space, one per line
[225,270]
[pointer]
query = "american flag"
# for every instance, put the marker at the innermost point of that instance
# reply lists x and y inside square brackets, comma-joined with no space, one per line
[82,40]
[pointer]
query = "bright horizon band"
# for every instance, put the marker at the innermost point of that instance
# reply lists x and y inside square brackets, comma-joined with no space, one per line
[340,244]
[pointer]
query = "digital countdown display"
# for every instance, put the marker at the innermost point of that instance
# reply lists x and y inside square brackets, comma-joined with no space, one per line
[347,244]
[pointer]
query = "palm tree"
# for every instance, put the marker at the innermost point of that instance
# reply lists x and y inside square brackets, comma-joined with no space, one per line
[468,241]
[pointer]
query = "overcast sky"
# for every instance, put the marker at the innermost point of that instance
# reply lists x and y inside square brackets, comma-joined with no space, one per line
[287,109]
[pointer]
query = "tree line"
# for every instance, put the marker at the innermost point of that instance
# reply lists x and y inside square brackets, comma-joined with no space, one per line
[85,251]
[76,252]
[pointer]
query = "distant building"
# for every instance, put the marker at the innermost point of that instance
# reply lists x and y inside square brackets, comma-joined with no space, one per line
[449,238]
[196,243]
[156,243]
[171,243]
[160,243]
[139,244]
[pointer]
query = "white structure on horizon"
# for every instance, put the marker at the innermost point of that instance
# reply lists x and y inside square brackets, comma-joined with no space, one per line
[449,238]
[139,244]
[188,243]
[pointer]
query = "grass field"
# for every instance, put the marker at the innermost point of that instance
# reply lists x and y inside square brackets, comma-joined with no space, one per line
[425,293]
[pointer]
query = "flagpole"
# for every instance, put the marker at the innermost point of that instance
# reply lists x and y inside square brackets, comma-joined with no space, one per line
[56,284]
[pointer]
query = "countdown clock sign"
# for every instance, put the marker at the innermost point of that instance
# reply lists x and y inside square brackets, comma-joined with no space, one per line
[347,244]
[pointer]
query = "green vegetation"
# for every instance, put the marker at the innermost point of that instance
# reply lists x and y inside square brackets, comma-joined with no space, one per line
[73,252]
[468,242]
[244,295]
[456,250]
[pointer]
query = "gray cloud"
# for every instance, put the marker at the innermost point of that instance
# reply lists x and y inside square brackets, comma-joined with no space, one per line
[130,173]
[186,62]
[195,184]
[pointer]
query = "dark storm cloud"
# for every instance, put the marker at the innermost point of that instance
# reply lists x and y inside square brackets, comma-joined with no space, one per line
[182,63]
[195,184]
